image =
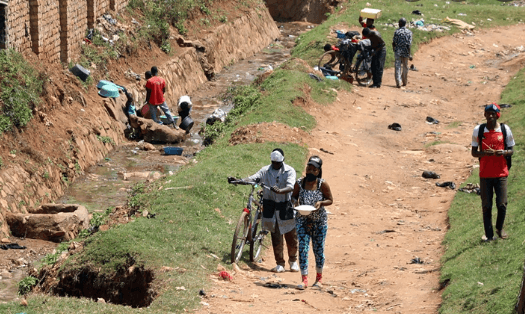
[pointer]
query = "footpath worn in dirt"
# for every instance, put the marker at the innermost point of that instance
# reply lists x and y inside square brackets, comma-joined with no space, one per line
[385,215]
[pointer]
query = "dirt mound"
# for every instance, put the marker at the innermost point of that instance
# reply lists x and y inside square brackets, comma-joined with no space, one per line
[269,132]
[313,11]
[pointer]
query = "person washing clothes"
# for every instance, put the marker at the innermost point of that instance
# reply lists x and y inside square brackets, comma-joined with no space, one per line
[184,109]
[156,87]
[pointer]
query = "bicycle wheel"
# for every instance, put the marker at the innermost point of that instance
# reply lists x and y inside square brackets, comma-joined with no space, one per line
[257,244]
[257,240]
[329,60]
[240,236]
[363,72]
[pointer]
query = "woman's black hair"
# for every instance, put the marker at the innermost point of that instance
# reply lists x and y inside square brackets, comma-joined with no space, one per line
[327,47]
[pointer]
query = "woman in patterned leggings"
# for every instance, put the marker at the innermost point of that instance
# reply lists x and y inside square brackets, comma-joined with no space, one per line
[312,190]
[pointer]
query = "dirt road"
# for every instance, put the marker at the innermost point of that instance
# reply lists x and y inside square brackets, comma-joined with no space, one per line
[385,214]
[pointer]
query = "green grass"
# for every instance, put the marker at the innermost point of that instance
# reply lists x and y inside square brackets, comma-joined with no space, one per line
[20,89]
[310,45]
[498,265]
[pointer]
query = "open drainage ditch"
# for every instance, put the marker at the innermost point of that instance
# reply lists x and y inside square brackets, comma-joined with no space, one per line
[107,184]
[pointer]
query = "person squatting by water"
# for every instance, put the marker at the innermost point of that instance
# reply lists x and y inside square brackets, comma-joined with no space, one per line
[155,89]
[278,214]
[401,43]
[312,190]
[493,149]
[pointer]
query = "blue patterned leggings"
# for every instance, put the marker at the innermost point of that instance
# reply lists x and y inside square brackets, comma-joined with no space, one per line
[316,231]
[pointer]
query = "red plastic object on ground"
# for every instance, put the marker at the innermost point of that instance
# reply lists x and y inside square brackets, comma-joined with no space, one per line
[225,275]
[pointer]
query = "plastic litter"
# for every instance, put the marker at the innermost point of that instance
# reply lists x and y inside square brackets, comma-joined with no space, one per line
[430,175]
[432,120]
[471,188]
[417,12]
[315,77]
[416,260]
[13,246]
[413,68]
[81,72]
[225,275]
[505,105]
[419,23]
[331,77]
[448,184]
[395,126]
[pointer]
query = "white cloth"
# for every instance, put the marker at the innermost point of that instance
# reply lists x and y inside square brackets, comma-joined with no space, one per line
[276,156]
[283,177]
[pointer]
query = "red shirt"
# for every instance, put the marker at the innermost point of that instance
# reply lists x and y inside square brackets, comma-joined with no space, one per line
[493,166]
[156,85]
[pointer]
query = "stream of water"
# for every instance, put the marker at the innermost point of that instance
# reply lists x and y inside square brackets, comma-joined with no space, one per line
[107,184]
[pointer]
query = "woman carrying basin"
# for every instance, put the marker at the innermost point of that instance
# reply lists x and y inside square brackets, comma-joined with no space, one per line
[314,191]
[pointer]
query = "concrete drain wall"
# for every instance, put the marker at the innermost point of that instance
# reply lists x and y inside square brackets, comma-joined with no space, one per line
[50,222]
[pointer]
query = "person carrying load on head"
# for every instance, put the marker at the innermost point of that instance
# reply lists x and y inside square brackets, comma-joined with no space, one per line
[156,87]
[378,55]
[492,143]
[367,23]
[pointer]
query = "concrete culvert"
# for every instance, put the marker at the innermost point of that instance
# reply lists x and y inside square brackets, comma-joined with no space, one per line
[50,222]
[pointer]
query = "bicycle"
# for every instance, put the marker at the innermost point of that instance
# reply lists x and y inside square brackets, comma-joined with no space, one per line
[249,223]
[362,69]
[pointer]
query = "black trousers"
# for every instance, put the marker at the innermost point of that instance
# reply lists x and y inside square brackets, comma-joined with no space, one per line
[378,64]
[489,186]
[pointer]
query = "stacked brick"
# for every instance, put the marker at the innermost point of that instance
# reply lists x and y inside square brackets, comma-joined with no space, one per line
[18,26]
[45,29]
[117,5]
[73,22]
[96,8]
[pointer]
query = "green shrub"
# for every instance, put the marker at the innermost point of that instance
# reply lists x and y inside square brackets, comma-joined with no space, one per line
[26,284]
[20,87]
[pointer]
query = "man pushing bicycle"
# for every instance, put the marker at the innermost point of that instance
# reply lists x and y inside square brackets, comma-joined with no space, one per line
[278,214]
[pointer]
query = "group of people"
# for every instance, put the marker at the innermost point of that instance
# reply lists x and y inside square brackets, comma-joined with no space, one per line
[155,90]
[279,217]
[401,43]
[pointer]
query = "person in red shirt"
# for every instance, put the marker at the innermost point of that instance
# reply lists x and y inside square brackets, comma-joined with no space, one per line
[492,151]
[155,88]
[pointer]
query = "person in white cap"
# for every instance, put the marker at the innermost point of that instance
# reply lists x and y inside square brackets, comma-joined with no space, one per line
[278,214]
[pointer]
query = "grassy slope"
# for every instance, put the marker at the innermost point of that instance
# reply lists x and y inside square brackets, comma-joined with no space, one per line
[485,277]
[188,229]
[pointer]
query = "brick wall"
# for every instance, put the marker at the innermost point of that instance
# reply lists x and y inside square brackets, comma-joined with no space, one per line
[117,5]
[18,26]
[53,29]
[45,29]
[96,8]
[73,25]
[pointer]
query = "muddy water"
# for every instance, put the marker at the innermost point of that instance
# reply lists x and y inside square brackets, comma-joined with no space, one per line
[104,186]
[107,183]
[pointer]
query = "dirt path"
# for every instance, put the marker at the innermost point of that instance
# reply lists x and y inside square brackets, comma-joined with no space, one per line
[385,214]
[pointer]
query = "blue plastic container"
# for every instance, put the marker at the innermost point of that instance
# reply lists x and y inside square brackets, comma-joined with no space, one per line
[109,91]
[340,34]
[173,150]
[331,77]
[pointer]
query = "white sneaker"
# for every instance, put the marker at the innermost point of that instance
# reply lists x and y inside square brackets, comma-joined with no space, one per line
[294,267]
[278,269]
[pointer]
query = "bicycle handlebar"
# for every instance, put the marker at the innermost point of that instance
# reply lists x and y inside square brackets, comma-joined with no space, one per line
[242,182]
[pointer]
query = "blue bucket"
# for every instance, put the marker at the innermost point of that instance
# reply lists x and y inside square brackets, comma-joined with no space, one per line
[109,91]
[173,150]
[340,34]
